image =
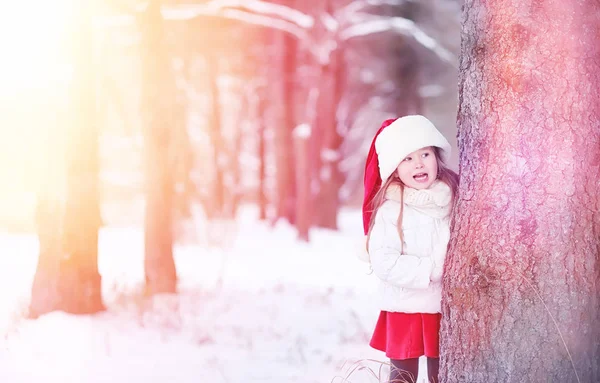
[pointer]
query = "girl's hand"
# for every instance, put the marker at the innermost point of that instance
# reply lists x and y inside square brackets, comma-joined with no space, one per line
[437,272]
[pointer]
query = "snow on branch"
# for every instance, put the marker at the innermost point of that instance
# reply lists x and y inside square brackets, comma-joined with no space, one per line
[266,21]
[263,7]
[320,50]
[386,2]
[266,9]
[330,23]
[255,12]
[330,155]
[297,23]
[302,131]
[402,25]
[354,7]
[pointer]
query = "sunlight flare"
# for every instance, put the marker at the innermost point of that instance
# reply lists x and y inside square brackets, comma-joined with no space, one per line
[33,38]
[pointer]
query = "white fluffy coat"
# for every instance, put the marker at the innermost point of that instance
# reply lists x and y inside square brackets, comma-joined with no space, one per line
[410,280]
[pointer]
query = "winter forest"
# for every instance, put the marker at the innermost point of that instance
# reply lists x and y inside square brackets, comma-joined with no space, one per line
[182,184]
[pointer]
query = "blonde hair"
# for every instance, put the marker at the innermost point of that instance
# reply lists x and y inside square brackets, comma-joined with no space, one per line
[445,174]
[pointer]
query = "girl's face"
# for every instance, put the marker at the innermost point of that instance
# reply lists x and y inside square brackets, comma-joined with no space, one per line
[419,169]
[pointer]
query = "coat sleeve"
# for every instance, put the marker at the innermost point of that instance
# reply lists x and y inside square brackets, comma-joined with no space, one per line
[387,261]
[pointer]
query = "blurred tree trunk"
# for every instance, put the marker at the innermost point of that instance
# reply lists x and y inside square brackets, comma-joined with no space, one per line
[234,185]
[282,104]
[259,105]
[306,137]
[305,163]
[236,191]
[522,279]
[157,113]
[407,70]
[289,88]
[67,276]
[216,203]
[325,82]
[181,158]
[303,176]
[329,175]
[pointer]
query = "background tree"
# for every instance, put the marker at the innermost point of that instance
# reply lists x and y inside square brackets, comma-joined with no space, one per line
[281,50]
[157,113]
[67,276]
[522,282]
[329,82]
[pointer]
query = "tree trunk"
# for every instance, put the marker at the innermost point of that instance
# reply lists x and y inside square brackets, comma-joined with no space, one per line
[281,95]
[329,175]
[67,276]
[407,72]
[303,205]
[157,98]
[259,106]
[522,279]
[216,203]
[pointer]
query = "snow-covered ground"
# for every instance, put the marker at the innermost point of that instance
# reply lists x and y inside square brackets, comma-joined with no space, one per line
[263,307]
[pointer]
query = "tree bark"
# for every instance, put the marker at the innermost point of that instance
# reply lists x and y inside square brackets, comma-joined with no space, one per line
[216,204]
[303,205]
[522,278]
[67,276]
[282,98]
[157,98]
[259,105]
[329,176]
[289,109]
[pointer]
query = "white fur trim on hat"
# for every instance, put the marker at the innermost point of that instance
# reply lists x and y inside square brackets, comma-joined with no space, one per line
[404,136]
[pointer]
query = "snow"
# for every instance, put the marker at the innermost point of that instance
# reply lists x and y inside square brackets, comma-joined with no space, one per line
[261,307]
[264,7]
[367,76]
[330,23]
[432,90]
[266,21]
[329,155]
[302,131]
[352,8]
[325,173]
[295,22]
[273,13]
[376,24]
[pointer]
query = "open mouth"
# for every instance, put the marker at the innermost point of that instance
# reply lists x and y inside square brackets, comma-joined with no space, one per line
[421,177]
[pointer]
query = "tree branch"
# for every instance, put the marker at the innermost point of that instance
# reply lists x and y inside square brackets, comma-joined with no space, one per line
[378,24]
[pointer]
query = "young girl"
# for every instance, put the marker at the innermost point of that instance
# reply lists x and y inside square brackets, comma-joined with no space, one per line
[408,197]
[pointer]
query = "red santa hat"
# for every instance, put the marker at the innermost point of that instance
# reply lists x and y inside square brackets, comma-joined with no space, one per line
[395,139]
[372,179]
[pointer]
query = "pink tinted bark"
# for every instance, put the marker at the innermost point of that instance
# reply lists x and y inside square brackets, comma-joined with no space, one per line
[522,278]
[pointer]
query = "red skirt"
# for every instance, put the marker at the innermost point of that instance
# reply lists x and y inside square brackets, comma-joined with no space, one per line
[406,336]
